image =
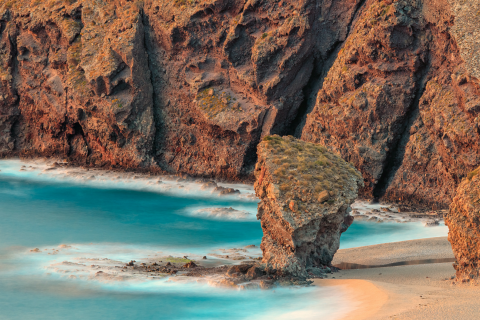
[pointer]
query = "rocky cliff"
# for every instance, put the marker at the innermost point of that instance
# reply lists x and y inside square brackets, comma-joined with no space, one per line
[305,194]
[464,228]
[399,102]
[192,86]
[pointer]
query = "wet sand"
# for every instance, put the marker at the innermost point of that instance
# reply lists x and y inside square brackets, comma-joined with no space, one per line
[422,291]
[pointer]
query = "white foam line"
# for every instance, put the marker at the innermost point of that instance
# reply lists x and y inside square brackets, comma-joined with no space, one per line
[41,170]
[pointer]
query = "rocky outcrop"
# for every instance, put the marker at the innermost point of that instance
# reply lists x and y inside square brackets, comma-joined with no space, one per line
[305,194]
[396,103]
[464,228]
[75,82]
[184,86]
[227,72]
[192,86]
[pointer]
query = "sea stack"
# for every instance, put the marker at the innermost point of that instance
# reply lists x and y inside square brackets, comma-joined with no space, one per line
[464,228]
[306,193]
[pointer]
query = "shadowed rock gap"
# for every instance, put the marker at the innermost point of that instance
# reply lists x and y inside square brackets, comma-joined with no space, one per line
[315,83]
[395,156]
[149,43]
[310,91]
[15,128]
[358,10]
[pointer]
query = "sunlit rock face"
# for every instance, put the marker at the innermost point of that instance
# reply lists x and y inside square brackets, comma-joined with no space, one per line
[305,194]
[192,87]
[75,82]
[463,221]
[401,100]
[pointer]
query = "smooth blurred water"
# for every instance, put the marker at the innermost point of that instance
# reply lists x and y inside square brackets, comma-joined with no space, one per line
[124,220]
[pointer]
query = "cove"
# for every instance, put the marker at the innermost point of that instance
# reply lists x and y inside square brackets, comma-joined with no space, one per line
[118,220]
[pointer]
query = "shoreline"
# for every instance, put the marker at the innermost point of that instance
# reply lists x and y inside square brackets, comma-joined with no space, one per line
[158,172]
[420,291]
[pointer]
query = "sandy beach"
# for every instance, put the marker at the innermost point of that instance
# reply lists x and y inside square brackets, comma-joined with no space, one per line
[415,291]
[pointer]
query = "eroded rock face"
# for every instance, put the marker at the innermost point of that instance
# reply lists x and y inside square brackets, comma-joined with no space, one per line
[399,101]
[186,86]
[463,221]
[75,82]
[227,72]
[192,86]
[305,193]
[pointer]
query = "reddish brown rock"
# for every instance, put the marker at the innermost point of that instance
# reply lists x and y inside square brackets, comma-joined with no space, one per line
[363,108]
[307,233]
[226,73]
[463,221]
[192,86]
[185,86]
[75,82]
[399,102]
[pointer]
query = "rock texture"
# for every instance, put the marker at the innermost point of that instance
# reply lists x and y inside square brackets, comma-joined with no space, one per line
[75,82]
[190,86]
[398,103]
[464,228]
[305,194]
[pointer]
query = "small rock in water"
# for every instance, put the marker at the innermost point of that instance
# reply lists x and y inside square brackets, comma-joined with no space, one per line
[191,264]
[208,185]
[238,270]
[35,250]
[250,246]
[204,258]
[254,272]
[225,191]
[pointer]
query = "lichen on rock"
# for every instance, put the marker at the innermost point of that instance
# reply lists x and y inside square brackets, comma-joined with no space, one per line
[305,193]
[464,228]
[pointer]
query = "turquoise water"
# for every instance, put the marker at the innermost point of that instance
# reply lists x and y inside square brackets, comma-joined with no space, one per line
[124,219]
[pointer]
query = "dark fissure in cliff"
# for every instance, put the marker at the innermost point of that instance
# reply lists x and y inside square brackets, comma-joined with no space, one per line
[396,155]
[322,66]
[155,77]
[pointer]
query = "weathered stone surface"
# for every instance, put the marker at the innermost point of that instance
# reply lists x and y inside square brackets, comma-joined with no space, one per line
[192,86]
[75,82]
[466,33]
[300,231]
[399,103]
[463,221]
[226,73]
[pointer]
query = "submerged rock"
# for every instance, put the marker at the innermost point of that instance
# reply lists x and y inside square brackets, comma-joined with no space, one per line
[238,270]
[464,228]
[225,191]
[301,228]
[191,264]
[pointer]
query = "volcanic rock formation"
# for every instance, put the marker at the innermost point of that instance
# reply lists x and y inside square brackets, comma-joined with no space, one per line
[305,194]
[190,86]
[399,101]
[463,221]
